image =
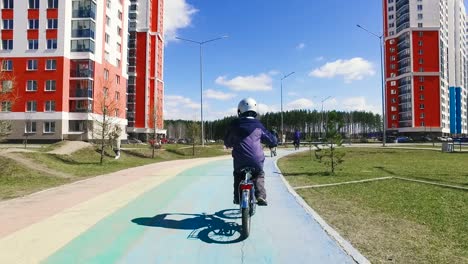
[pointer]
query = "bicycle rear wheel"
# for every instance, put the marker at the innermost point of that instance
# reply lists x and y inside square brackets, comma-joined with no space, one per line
[245,222]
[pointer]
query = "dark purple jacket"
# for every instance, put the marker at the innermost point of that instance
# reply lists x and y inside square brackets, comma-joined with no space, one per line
[245,136]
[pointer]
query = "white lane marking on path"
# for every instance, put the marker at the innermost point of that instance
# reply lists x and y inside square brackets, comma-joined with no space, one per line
[38,241]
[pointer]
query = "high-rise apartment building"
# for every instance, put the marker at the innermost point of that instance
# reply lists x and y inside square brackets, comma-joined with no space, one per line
[426,74]
[66,60]
[145,68]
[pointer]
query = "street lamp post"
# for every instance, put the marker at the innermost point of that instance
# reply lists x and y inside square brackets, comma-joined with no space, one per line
[200,43]
[380,37]
[321,123]
[282,128]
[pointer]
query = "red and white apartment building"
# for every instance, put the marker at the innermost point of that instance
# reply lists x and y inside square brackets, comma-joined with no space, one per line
[426,74]
[62,57]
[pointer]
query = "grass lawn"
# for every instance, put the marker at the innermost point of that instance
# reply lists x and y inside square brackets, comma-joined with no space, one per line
[16,181]
[392,221]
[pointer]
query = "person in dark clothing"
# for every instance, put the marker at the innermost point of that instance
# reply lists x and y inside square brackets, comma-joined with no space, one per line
[245,136]
[297,139]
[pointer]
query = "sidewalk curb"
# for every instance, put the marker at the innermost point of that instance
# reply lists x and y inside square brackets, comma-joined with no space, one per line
[343,243]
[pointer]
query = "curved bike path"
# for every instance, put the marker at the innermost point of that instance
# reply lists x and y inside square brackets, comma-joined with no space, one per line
[187,217]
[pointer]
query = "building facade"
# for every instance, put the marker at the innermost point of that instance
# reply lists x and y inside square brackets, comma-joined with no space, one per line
[145,69]
[426,73]
[68,63]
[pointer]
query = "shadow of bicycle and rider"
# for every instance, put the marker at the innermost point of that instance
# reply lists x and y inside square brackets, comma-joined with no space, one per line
[218,228]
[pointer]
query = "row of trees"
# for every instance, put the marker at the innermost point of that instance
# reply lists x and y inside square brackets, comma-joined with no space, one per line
[312,124]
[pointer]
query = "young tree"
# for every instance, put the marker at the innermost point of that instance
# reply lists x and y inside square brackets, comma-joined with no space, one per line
[193,130]
[107,112]
[8,96]
[330,156]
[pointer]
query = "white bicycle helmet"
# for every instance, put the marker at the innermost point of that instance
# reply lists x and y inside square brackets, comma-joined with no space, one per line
[247,107]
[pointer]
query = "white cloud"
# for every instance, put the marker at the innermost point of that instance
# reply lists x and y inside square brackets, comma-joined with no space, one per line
[302,103]
[261,82]
[351,70]
[213,94]
[358,103]
[177,14]
[300,46]
[321,58]
[177,107]
[273,72]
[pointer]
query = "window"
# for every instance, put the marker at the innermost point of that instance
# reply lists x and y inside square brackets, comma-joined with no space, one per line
[420,7]
[421,88]
[392,66]
[7,4]
[82,45]
[52,4]
[420,43]
[420,52]
[421,97]
[7,24]
[394,117]
[392,91]
[117,95]
[392,41]
[393,100]
[7,65]
[106,74]
[117,79]
[423,124]
[33,4]
[31,85]
[117,61]
[393,83]
[393,108]
[422,115]
[421,61]
[108,20]
[420,25]
[392,58]
[33,23]
[390,8]
[7,44]
[119,31]
[392,49]
[421,33]
[50,85]
[106,55]
[116,112]
[421,78]
[119,47]
[31,106]
[108,3]
[32,65]
[52,23]
[7,85]
[421,69]
[49,127]
[30,127]
[105,91]
[52,44]
[107,38]
[421,106]
[390,17]
[51,64]
[6,106]
[49,106]
[391,25]
[33,44]
[119,14]
[420,16]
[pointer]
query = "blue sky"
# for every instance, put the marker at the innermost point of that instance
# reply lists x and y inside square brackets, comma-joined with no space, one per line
[318,40]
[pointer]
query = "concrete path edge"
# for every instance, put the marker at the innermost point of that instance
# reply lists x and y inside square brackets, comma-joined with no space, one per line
[343,243]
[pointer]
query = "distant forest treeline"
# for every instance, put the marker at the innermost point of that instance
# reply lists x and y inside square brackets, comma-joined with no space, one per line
[356,124]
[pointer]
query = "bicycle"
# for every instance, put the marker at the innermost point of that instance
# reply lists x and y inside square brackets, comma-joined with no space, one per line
[247,200]
[296,144]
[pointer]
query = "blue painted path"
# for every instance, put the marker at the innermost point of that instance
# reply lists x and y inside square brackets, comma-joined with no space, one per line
[191,219]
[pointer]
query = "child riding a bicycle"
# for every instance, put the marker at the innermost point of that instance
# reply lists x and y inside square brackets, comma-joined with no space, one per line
[245,136]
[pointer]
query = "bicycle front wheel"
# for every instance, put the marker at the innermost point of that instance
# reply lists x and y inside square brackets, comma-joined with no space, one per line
[245,222]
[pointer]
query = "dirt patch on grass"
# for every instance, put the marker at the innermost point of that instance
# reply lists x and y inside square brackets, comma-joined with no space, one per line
[69,147]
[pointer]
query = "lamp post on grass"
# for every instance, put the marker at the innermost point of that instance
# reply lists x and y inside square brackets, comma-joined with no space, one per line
[200,43]
[380,37]
[282,128]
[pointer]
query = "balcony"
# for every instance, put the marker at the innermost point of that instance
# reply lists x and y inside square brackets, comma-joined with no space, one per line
[404,89]
[81,106]
[83,13]
[83,33]
[402,27]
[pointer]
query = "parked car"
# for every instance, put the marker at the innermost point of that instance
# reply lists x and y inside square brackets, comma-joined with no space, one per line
[403,139]
[134,141]
[460,139]
[182,141]
[444,139]
[171,141]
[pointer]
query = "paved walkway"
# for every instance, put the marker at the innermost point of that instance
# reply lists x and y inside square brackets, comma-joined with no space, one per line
[172,212]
